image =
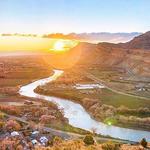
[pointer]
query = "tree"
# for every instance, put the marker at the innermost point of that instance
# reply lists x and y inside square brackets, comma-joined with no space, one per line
[143,142]
[12,125]
[7,144]
[88,140]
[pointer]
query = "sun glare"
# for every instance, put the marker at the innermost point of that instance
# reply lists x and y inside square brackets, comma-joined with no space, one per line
[59,46]
[63,45]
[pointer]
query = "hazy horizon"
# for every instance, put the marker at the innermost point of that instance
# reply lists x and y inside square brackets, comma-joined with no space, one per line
[98,32]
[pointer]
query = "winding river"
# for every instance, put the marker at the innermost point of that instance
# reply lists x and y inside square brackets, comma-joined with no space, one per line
[77,115]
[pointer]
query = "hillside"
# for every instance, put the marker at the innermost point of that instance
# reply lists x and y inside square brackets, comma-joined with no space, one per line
[133,60]
[139,42]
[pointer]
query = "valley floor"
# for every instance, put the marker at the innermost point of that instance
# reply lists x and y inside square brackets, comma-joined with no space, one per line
[26,115]
[104,104]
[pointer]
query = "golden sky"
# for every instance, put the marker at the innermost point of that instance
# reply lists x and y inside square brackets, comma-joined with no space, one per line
[19,43]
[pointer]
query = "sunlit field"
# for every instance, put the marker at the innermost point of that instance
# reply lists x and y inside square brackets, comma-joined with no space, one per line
[34,44]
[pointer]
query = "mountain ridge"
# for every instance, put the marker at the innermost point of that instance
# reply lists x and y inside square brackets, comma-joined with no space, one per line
[96,37]
[139,42]
[110,55]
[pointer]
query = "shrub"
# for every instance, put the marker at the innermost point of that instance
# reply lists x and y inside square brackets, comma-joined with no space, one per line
[12,125]
[2,124]
[7,144]
[57,140]
[10,109]
[47,119]
[19,147]
[143,142]
[2,115]
[88,140]
[110,146]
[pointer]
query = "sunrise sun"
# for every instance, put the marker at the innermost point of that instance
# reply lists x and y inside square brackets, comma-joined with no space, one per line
[63,45]
[59,46]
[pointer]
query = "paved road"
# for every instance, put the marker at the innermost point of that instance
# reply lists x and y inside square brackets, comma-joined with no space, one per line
[69,135]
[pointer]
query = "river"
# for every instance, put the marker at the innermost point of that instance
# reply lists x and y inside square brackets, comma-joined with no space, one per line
[77,115]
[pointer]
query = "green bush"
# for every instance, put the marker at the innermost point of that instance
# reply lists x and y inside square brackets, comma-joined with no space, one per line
[88,140]
[143,142]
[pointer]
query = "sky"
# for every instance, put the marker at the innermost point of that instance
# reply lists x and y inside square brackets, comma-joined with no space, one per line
[65,16]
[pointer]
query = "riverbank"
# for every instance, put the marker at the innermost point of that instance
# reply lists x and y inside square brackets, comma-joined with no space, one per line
[21,70]
[87,104]
[92,100]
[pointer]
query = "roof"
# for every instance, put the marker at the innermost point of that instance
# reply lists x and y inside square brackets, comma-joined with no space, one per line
[43,139]
[14,133]
[35,132]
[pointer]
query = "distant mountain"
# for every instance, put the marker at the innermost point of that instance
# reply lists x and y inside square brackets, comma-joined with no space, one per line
[139,42]
[97,37]
[131,57]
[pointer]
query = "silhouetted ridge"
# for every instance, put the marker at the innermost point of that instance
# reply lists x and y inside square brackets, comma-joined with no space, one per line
[139,42]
